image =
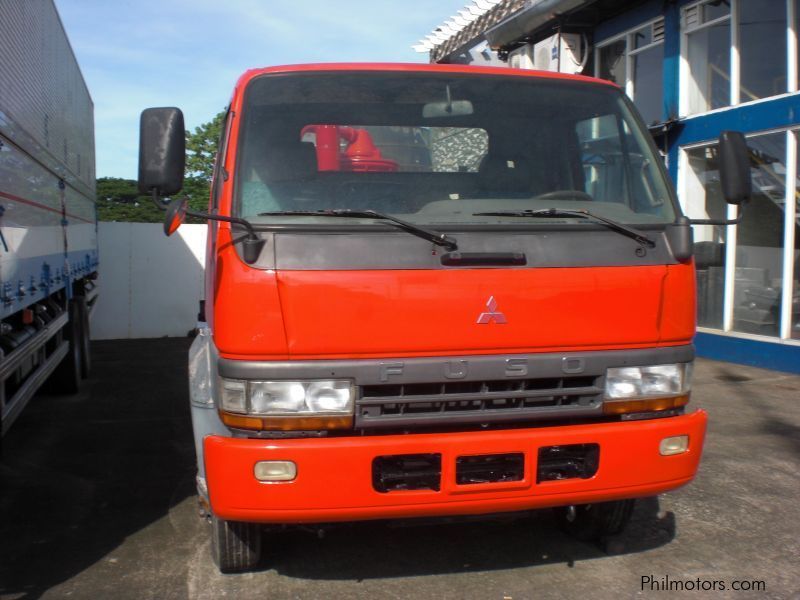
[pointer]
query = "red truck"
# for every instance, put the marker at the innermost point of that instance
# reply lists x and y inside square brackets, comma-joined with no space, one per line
[436,290]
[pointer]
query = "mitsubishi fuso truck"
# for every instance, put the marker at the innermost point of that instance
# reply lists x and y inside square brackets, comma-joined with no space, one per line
[435,290]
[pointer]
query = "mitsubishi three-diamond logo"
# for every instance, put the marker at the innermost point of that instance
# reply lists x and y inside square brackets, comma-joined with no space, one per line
[491,314]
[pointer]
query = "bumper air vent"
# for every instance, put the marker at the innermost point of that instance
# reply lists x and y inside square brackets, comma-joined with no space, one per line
[574,461]
[407,472]
[490,468]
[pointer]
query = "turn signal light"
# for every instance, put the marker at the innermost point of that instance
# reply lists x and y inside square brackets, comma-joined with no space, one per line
[286,423]
[622,407]
[275,470]
[677,444]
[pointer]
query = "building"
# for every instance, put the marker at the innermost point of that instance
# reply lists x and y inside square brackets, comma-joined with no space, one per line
[693,68]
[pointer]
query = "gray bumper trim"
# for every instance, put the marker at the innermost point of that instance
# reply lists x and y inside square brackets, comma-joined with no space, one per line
[454,368]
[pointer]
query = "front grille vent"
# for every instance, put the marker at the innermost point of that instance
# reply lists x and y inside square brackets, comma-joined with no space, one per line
[490,468]
[476,401]
[407,472]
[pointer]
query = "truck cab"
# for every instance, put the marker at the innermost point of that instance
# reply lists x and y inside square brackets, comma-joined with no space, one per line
[434,290]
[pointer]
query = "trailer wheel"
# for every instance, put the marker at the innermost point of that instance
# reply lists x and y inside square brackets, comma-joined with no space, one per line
[235,546]
[66,378]
[85,343]
[591,522]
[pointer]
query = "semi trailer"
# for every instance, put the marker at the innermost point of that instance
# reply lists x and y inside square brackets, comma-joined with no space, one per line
[436,290]
[48,224]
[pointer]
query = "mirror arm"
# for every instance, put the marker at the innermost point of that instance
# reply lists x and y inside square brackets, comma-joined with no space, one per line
[251,232]
[735,221]
[159,204]
[251,245]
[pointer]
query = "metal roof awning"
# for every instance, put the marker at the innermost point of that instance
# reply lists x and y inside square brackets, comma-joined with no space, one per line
[468,26]
[530,17]
[465,19]
[500,22]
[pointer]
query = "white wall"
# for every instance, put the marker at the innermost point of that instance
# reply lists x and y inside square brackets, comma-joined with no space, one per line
[149,283]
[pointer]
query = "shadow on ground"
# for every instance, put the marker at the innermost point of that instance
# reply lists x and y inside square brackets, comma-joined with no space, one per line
[80,474]
[377,550]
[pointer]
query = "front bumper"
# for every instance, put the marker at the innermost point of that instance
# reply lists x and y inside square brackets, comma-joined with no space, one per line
[334,481]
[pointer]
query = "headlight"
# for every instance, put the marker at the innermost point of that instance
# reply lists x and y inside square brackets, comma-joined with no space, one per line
[647,389]
[286,405]
[276,397]
[293,397]
[658,381]
[232,395]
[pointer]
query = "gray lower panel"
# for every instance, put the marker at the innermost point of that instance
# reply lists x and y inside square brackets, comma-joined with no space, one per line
[454,368]
[382,249]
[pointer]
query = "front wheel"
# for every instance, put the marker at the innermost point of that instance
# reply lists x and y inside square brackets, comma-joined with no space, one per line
[592,522]
[235,546]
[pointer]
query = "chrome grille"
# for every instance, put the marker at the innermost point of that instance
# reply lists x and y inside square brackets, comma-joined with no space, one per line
[494,401]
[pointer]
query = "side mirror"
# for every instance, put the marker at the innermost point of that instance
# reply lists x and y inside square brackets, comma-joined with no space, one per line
[162,151]
[734,167]
[175,215]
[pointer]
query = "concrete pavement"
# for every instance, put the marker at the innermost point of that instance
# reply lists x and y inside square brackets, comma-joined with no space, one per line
[97,501]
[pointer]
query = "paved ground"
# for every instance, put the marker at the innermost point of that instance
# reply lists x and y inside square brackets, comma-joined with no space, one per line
[96,501]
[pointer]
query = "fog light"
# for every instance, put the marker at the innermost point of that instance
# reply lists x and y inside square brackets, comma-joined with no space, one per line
[674,445]
[275,470]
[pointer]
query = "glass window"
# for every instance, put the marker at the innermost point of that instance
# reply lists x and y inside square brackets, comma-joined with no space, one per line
[759,252]
[641,51]
[797,33]
[762,28]
[762,48]
[648,83]
[795,283]
[442,148]
[705,201]
[602,162]
[400,149]
[758,277]
[612,63]
[716,10]
[642,37]
[709,58]
[612,173]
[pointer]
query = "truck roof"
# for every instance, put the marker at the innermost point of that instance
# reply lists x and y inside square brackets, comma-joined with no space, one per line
[416,68]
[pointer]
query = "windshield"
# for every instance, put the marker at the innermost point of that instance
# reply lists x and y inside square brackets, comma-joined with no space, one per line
[439,149]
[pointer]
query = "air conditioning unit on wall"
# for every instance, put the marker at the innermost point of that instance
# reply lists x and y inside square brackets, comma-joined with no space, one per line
[521,58]
[565,53]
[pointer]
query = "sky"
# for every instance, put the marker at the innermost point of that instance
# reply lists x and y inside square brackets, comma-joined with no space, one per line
[189,53]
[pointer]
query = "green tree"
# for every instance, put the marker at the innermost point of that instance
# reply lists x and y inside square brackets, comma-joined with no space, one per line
[201,151]
[119,200]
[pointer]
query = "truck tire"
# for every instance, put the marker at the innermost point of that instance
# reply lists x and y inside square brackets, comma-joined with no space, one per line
[591,522]
[235,546]
[66,378]
[85,343]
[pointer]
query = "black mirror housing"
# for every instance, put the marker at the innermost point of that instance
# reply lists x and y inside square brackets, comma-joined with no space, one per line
[734,167]
[162,151]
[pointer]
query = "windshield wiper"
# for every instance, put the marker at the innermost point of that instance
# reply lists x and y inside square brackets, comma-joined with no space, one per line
[440,239]
[546,213]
